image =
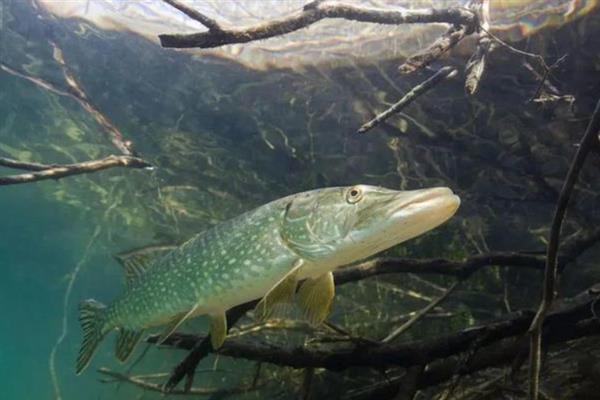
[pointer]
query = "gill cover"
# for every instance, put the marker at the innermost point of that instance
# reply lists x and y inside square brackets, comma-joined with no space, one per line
[315,223]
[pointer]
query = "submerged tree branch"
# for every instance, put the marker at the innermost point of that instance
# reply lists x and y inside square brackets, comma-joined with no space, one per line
[115,376]
[208,22]
[57,171]
[485,45]
[425,86]
[386,265]
[420,352]
[24,165]
[419,314]
[495,355]
[551,268]
[308,16]
[444,43]
[75,92]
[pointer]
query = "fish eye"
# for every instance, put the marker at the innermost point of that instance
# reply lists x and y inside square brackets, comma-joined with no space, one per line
[354,195]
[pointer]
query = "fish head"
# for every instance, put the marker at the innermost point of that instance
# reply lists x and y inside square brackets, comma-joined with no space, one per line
[341,225]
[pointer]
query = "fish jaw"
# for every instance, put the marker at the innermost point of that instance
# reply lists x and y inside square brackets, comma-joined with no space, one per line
[405,216]
[339,226]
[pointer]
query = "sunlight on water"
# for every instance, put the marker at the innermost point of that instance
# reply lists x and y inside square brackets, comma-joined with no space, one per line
[520,18]
[326,41]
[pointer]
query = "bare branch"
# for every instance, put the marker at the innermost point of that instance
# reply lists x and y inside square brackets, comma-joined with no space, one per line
[208,22]
[310,15]
[75,92]
[551,270]
[24,165]
[444,43]
[440,266]
[143,383]
[562,322]
[420,314]
[383,265]
[57,171]
[495,355]
[424,87]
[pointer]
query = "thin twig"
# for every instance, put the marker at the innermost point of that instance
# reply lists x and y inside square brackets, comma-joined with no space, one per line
[415,92]
[544,78]
[514,50]
[155,387]
[310,15]
[75,92]
[420,314]
[60,171]
[447,41]
[551,270]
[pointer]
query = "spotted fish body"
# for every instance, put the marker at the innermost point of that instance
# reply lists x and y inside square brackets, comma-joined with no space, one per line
[264,253]
[235,262]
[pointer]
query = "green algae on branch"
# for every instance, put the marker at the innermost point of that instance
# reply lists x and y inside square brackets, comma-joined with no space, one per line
[57,171]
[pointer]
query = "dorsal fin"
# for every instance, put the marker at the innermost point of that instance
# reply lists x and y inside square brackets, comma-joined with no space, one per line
[134,267]
[135,262]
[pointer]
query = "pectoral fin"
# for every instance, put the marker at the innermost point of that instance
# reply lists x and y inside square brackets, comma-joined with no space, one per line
[174,324]
[218,329]
[315,297]
[282,292]
[126,343]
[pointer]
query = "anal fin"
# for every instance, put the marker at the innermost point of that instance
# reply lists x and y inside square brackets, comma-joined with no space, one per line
[282,292]
[126,342]
[315,297]
[218,329]
[175,322]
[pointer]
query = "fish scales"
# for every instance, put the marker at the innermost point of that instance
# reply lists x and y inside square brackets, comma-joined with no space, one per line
[281,252]
[229,264]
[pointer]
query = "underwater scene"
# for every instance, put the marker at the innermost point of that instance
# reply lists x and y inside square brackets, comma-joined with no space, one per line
[296,199]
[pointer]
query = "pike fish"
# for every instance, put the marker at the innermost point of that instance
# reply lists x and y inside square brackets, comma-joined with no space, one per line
[283,251]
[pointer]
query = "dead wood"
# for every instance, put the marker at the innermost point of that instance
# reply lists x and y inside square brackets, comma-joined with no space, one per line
[58,171]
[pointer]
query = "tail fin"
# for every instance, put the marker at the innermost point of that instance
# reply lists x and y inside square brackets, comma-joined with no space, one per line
[91,316]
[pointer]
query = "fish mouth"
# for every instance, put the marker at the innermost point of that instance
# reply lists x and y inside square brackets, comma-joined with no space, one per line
[401,217]
[440,200]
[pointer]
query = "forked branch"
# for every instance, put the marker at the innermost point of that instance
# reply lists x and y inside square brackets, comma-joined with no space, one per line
[563,322]
[382,265]
[308,16]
